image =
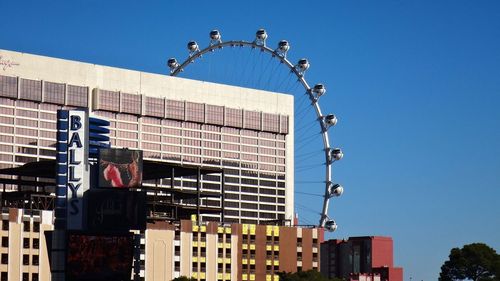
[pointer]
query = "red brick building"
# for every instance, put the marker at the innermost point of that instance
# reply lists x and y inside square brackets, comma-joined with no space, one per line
[358,256]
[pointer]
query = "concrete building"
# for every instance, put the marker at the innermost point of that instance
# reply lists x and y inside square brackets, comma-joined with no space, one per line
[210,251]
[236,252]
[359,258]
[24,254]
[246,132]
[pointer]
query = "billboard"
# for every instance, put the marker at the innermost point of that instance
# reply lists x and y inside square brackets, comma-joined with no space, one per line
[99,257]
[120,168]
[115,210]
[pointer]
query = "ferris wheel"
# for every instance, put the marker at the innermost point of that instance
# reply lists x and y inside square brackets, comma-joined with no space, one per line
[311,96]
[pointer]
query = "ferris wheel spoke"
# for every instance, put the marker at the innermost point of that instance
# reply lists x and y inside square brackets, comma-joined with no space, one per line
[264,75]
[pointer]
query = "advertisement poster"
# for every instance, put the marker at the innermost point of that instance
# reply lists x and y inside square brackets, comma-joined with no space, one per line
[120,168]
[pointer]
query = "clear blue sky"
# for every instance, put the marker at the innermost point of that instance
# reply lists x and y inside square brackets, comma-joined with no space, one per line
[416,86]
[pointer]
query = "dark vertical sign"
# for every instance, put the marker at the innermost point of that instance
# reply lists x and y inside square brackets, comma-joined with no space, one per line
[72,168]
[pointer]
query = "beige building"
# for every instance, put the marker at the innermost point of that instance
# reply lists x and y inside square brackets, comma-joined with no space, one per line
[246,132]
[23,252]
[240,252]
[210,251]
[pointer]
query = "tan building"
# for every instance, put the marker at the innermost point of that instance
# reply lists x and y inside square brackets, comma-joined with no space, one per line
[246,132]
[216,252]
[209,251]
[23,252]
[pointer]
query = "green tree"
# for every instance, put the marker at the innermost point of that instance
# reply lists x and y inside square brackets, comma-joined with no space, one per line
[310,275]
[183,278]
[477,262]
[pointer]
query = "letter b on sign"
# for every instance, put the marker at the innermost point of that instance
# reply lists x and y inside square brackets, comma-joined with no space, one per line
[76,123]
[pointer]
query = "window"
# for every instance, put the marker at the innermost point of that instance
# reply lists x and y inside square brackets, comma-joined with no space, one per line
[155,107]
[77,96]
[271,122]
[130,103]
[249,206]
[234,117]
[53,92]
[35,260]
[26,276]
[284,124]
[252,268]
[8,86]
[252,120]
[5,242]
[249,197]
[156,137]
[36,243]
[31,90]
[214,114]
[202,267]
[4,259]
[177,266]
[195,112]
[26,243]
[26,260]
[175,109]
[26,226]
[108,100]
[4,276]
[34,277]
[5,225]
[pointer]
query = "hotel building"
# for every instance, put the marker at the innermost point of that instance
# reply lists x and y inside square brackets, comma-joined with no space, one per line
[210,251]
[247,133]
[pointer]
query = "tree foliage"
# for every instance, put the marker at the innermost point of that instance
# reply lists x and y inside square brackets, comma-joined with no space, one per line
[310,275]
[477,262]
[183,278]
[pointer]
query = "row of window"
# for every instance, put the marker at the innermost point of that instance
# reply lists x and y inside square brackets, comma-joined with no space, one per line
[197,138]
[35,244]
[35,260]
[26,226]
[189,111]
[26,276]
[57,93]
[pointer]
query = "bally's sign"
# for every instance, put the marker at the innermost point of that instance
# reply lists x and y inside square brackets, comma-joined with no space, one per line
[75,135]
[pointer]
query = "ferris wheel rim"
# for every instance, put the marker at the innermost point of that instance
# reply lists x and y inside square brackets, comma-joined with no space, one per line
[325,221]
